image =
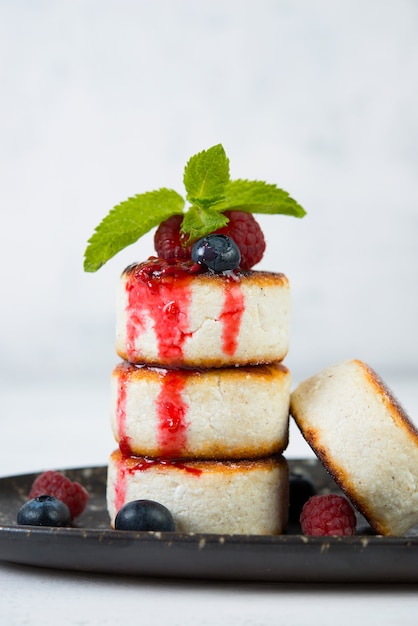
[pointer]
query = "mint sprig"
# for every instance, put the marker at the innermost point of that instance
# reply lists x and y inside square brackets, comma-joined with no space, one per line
[127,222]
[197,222]
[210,192]
[205,176]
[256,196]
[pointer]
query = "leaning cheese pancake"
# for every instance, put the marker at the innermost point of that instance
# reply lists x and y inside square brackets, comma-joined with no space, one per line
[175,315]
[226,497]
[365,440]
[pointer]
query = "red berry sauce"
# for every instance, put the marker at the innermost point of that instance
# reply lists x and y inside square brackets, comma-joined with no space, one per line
[123,371]
[130,465]
[231,315]
[171,412]
[161,290]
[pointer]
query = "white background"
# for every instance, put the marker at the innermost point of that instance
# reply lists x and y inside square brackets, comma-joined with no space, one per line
[100,100]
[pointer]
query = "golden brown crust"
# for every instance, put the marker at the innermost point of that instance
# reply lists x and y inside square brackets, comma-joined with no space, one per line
[213,451]
[266,372]
[259,278]
[254,278]
[397,411]
[226,466]
[354,433]
[204,363]
[342,479]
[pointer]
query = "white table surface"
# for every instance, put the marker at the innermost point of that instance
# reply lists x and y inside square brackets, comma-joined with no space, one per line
[66,427]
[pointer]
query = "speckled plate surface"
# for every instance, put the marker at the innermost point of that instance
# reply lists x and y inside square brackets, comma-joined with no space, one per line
[93,546]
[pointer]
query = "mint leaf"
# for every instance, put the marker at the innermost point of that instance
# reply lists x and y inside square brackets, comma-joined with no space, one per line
[127,222]
[199,222]
[210,192]
[206,175]
[258,197]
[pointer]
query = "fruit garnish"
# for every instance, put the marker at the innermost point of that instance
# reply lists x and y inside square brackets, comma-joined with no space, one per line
[327,515]
[247,234]
[210,193]
[53,483]
[218,253]
[142,515]
[169,243]
[44,511]
[242,228]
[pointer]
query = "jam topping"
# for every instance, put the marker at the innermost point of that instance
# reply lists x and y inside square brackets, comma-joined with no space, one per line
[171,411]
[231,316]
[160,291]
[156,269]
[123,377]
[144,463]
[132,464]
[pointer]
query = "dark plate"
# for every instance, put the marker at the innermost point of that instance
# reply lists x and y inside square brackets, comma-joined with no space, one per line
[93,546]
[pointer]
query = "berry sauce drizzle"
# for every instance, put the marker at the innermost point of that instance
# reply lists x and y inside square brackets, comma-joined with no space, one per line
[154,291]
[130,465]
[120,487]
[170,407]
[231,316]
[145,463]
[123,377]
[171,412]
[161,291]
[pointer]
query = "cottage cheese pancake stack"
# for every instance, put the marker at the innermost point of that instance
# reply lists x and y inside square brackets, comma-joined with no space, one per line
[200,402]
[200,399]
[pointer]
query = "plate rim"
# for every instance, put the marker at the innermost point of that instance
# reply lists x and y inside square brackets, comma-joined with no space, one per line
[274,558]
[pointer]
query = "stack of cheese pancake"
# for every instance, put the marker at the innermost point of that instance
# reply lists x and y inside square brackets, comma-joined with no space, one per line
[200,400]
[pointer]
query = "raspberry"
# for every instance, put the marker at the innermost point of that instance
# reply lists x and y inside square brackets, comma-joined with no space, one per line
[168,241]
[328,515]
[242,228]
[55,484]
[247,234]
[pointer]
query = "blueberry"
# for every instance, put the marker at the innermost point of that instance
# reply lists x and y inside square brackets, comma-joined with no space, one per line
[300,490]
[44,511]
[144,515]
[218,252]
